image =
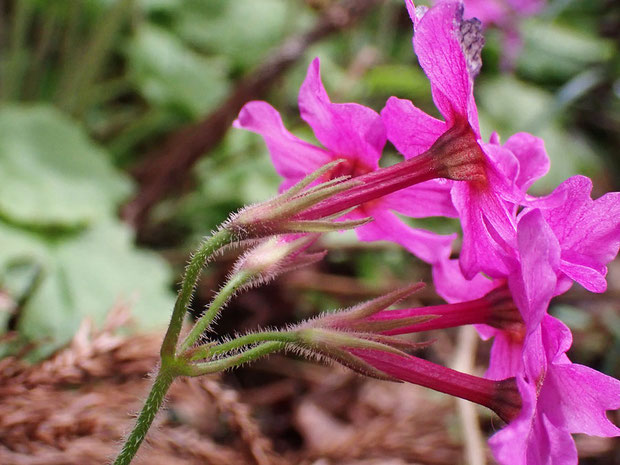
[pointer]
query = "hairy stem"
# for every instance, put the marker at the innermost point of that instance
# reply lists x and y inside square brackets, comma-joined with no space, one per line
[250,355]
[192,272]
[218,302]
[208,351]
[147,415]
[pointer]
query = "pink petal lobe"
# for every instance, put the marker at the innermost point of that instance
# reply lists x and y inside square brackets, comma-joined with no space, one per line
[531,439]
[453,287]
[591,277]
[534,283]
[351,130]
[412,11]
[502,172]
[292,157]
[506,353]
[430,198]
[488,232]
[410,129]
[575,396]
[588,230]
[532,156]
[437,43]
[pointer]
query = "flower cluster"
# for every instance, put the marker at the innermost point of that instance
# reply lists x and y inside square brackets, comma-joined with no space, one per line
[518,251]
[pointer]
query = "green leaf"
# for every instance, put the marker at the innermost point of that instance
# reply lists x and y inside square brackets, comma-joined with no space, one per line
[51,174]
[243,30]
[85,275]
[405,81]
[169,73]
[553,51]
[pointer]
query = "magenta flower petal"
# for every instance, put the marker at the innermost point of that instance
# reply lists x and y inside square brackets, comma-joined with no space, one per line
[559,398]
[488,232]
[438,43]
[531,439]
[532,156]
[503,172]
[534,283]
[430,198]
[452,286]
[576,396]
[591,276]
[426,245]
[292,157]
[351,130]
[506,354]
[588,230]
[410,129]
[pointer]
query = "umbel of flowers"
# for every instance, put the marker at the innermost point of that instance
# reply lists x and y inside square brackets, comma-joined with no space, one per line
[532,247]
[518,251]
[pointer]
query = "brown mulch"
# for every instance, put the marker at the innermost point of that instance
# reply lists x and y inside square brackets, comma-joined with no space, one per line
[76,407]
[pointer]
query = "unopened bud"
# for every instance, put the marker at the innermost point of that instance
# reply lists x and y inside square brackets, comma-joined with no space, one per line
[284,213]
[277,255]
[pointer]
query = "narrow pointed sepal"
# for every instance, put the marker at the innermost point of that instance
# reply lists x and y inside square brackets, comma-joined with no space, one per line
[284,213]
[323,226]
[355,318]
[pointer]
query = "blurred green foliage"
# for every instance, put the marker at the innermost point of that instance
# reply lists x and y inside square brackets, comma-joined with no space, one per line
[89,86]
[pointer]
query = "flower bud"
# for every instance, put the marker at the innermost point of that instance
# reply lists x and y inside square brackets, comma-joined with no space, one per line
[284,213]
[275,256]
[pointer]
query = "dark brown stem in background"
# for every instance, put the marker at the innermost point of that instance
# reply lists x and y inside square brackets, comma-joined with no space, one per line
[166,168]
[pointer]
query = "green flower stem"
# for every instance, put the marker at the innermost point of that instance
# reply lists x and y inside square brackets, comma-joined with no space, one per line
[208,351]
[252,354]
[147,415]
[192,272]
[218,302]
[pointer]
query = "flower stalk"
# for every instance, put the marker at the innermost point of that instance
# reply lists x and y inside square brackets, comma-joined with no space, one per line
[204,252]
[151,406]
[217,304]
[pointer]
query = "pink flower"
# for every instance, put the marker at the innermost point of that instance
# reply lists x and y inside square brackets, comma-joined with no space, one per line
[355,133]
[559,398]
[448,49]
[568,237]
